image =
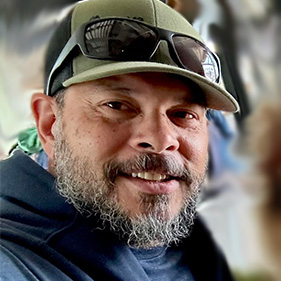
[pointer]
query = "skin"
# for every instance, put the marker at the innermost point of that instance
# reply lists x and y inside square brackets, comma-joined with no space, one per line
[124,116]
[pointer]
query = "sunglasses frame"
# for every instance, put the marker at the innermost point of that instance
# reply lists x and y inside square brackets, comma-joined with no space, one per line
[78,39]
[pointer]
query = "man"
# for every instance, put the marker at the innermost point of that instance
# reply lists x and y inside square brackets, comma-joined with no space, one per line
[123,123]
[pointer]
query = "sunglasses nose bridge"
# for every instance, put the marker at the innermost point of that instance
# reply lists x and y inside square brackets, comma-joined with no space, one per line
[162,52]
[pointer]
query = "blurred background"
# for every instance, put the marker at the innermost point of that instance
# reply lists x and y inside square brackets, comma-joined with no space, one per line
[241,198]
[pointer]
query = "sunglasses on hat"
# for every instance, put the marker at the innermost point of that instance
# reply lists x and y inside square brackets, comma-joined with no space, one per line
[123,39]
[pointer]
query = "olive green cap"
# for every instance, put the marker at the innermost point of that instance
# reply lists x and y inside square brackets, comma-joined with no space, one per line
[155,13]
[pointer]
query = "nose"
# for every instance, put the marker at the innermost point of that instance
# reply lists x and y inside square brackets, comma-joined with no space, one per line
[155,134]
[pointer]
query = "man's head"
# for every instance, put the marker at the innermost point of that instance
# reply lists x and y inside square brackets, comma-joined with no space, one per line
[127,137]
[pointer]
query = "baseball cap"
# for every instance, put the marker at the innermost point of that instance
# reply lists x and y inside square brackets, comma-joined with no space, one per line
[77,68]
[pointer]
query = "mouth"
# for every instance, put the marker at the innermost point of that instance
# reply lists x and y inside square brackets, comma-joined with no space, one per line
[151,176]
[152,182]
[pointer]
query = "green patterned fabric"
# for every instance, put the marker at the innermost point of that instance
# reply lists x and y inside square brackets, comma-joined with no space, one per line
[28,141]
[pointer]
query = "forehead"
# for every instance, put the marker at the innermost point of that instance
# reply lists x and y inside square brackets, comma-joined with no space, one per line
[140,83]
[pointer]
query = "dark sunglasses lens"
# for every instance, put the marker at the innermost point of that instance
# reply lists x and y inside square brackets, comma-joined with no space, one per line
[120,40]
[196,57]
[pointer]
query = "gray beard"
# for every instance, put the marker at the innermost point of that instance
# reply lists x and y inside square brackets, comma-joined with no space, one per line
[94,194]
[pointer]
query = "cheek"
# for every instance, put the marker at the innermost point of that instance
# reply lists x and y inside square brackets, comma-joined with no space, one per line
[91,137]
[195,149]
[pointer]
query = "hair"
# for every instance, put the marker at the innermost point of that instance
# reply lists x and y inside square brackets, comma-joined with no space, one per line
[60,98]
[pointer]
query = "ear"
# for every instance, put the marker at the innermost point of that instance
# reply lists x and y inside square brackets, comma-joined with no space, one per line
[44,112]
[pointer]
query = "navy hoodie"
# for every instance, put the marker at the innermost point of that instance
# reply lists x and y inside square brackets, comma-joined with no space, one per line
[45,238]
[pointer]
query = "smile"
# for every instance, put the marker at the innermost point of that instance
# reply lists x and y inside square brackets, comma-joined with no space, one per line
[152,182]
[150,176]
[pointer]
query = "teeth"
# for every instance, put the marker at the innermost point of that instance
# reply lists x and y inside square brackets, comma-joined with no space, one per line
[149,176]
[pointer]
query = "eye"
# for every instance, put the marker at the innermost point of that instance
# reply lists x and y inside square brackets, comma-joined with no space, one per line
[182,114]
[117,105]
[119,110]
[183,117]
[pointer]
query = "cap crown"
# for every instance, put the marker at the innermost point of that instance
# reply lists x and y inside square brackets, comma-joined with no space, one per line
[78,68]
[153,12]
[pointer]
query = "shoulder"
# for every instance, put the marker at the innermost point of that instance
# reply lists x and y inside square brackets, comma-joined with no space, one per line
[12,268]
[19,166]
[206,260]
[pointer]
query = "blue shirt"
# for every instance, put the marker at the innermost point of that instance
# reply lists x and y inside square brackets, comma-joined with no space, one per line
[163,264]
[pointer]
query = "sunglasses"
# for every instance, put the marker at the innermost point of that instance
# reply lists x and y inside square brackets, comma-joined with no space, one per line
[122,39]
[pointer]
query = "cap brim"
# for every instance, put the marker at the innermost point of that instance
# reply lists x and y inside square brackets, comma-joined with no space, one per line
[216,97]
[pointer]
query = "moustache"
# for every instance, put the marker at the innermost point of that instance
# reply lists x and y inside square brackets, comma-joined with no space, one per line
[161,164]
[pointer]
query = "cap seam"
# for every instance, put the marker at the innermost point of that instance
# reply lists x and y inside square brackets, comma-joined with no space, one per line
[154,13]
[74,17]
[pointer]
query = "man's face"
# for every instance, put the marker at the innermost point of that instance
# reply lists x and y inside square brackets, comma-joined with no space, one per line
[132,146]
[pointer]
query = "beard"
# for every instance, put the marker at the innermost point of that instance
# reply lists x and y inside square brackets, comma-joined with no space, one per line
[94,193]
